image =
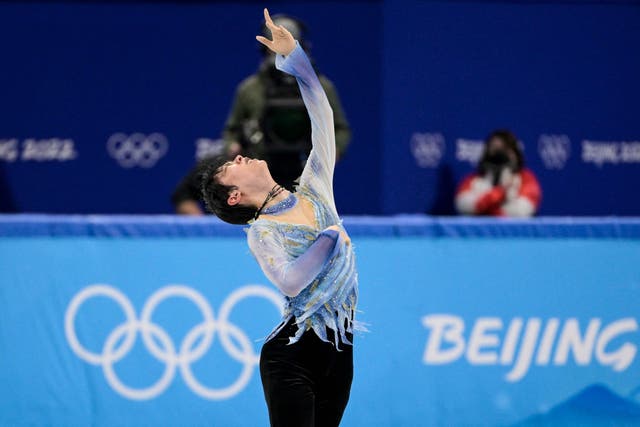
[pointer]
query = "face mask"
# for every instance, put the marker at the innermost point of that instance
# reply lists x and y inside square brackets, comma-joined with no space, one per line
[498,158]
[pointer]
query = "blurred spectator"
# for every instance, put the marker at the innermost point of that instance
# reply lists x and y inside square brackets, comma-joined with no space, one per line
[501,185]
[268,120]
[186,197]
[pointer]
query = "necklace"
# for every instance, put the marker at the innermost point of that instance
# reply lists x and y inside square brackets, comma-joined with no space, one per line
[282,206]
[277,189]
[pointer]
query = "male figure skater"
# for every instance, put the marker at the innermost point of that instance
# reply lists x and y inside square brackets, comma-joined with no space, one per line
[306,364]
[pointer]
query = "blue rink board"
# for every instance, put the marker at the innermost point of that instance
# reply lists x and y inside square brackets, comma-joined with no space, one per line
[32,225]
[472,322]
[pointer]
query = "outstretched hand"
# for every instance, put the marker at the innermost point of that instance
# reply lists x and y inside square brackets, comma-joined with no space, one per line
[283,42]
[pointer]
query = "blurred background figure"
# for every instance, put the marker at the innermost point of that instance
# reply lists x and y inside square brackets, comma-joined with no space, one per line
[186,198]
[268,121]
[501,185]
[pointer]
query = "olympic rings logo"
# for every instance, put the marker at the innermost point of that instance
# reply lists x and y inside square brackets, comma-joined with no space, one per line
[427,149]
[193,347]
[137,149]
[554,150]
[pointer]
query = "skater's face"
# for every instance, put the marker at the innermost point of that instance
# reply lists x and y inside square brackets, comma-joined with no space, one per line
[248,175]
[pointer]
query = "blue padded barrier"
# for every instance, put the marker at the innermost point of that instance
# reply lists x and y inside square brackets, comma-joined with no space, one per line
[32,225]
[157,320]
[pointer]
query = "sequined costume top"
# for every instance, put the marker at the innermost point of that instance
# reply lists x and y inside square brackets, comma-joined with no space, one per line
[314,267]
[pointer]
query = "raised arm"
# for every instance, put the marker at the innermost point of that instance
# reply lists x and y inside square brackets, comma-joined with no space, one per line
[318,173]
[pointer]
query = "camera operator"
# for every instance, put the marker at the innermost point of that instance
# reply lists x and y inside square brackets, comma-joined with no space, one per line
[501,185]
[268,119]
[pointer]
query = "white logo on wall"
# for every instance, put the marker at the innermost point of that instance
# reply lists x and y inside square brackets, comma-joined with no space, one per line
[38,150]
[427,149]
[469,150]
[206,147]
[162,347]
[137,149]
[614,152]
[446,342]
[554,150]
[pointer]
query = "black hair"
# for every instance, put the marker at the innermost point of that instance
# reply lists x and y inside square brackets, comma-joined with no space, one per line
[216,194]
[511,143]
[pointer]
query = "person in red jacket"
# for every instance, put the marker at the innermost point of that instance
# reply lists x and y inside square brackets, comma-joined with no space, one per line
[501,186]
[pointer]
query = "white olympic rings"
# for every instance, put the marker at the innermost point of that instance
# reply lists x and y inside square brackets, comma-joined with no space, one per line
[188,352]
[137,149]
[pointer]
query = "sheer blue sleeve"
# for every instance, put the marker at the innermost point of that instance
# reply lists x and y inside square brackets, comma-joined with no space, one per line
[318,172]
[290,275]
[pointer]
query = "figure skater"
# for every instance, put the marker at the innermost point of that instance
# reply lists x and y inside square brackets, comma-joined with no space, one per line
[306,363]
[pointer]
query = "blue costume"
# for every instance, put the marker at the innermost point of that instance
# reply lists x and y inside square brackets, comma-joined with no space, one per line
[314,267]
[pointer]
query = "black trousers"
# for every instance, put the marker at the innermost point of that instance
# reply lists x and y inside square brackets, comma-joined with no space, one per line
[305,384]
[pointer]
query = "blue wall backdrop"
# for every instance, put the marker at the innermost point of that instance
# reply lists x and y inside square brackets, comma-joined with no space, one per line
[520,327]
[556,73]
[422,82]
[84,72]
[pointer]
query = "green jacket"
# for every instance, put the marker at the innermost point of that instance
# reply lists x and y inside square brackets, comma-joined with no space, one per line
[249,103]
